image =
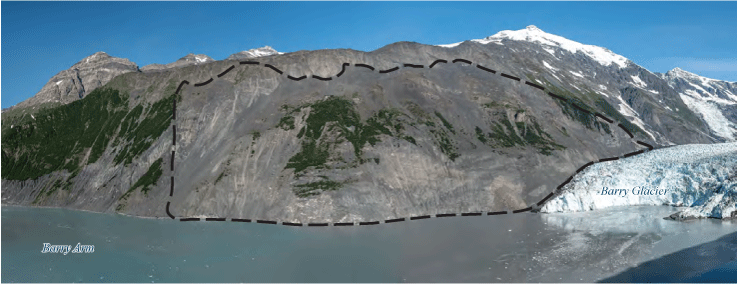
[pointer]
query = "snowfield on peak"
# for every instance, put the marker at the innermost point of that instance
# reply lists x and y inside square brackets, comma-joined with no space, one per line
[253,53]
[700,176]
[534,34]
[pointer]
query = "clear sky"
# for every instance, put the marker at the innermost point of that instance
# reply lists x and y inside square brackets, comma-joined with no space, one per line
[39,39]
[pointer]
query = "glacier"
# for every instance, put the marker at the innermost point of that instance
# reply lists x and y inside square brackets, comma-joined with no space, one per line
[701,177]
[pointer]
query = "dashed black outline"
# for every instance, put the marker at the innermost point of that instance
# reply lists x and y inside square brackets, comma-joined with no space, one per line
[486,69]
[226,71]
[389,70]
[435,62]
[407,65]
[365,66]
[412,65]
[461,60]
[510,77]
[204,83]
[296,79]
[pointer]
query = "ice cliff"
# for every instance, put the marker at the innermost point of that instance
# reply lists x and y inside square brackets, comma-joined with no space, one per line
[701,177]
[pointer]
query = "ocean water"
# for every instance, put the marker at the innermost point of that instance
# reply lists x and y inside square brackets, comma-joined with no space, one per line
[527,247]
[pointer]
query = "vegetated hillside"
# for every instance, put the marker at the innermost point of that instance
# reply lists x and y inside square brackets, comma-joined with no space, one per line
[366,145]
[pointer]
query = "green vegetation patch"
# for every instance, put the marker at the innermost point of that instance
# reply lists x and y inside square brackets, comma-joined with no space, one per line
[332,121]
[524,133]
[147,180]
[314,188]
[139,134]
[59,138]
[441,137]
[338,115]
[613,114]
[445,123]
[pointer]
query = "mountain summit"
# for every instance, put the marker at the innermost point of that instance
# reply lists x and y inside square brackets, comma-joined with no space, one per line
[713,100]
[253,53]
[187,60]
[534,34]
[84,76]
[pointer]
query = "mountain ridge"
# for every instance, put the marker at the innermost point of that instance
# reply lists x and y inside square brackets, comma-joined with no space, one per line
[450,138]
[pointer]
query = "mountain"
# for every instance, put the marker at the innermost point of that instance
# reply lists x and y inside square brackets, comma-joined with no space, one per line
[550,42]
[187,60]
[343,135]
[713,100]
[74,83]
[253,53]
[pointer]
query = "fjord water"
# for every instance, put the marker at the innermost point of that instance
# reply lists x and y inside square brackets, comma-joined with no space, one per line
[561,247]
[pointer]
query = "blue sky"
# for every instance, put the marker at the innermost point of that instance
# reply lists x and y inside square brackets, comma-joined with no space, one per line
[39,39]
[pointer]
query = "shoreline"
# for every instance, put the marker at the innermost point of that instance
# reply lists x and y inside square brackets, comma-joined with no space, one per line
[669,218]
[84,210]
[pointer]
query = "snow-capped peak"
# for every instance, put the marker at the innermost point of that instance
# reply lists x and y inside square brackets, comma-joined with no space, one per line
[534,34]
[201,58]
[680,73]
[196,58]
[256,52]
[95,57]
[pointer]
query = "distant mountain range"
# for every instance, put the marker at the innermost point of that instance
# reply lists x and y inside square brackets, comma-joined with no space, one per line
[386,136]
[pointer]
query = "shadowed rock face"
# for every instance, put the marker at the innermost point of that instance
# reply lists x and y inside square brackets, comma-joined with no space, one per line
[74,83]
[369,145]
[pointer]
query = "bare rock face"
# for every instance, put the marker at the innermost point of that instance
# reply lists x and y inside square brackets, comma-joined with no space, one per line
[86,75]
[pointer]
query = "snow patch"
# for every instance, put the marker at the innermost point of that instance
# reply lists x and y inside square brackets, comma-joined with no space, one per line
[576,74]
[629,112]
[638,82]
[550,50]
[450,45]
[712,115]
[557,77]
[59,82]
[549,66]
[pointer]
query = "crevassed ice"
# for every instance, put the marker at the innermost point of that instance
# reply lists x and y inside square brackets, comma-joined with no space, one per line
[701,176]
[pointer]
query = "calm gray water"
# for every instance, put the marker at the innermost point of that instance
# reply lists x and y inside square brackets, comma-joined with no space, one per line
[565,247]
